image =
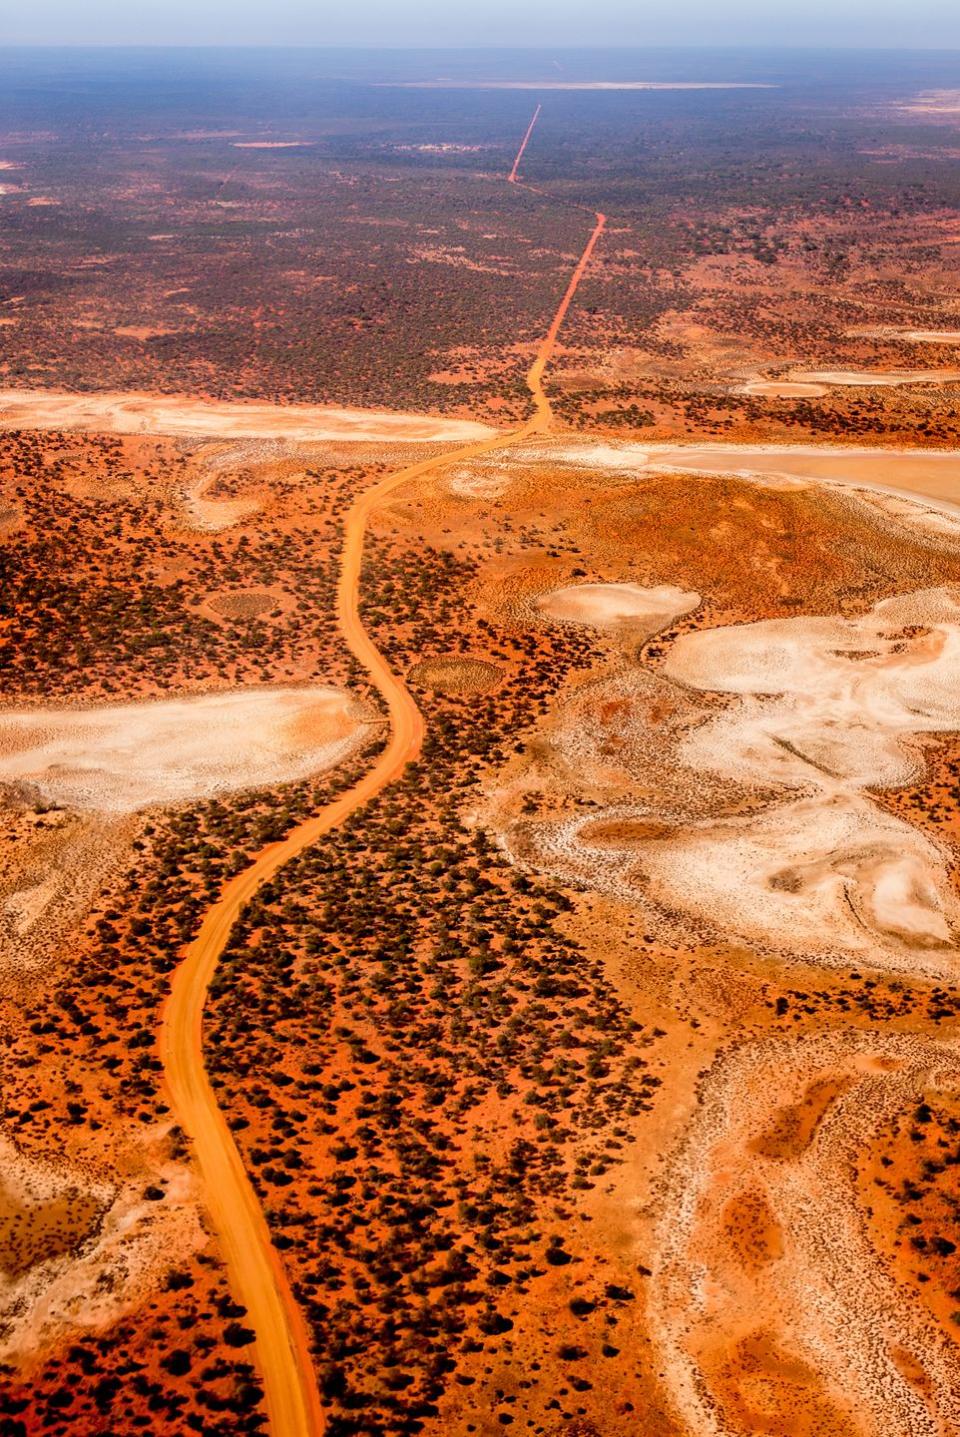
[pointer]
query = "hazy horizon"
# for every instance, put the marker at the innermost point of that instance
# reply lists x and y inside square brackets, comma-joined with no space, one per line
[493,48]
[886,24]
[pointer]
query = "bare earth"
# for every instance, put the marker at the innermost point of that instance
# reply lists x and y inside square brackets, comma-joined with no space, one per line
[616,605]
[814,383]
[129,756]
[828,708]
[913,336]
[95,1244]
[784,389]
[153,414]
[795,1289]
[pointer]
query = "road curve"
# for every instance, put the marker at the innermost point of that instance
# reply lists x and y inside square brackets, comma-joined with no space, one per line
[257,1277]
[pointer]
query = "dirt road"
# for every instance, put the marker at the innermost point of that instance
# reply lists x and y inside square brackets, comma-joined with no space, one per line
[544,353]
[256,1273]
[257,1277]
[512,177]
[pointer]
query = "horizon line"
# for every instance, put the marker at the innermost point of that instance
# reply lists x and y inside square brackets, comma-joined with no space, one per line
[351,46]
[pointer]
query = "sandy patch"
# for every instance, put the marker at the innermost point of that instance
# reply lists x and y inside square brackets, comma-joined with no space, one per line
[912,336]
[259,462]
[834,879]
[942,522]
[837,879]
[889,378]
[51,867]
[731,789]
[831,701]
[126,757]
[829,707]
[154,414]
[594,456]
[213,515]
[482,482]
[932,102]
[76,1252]
[617,605]
[140,331]
[783,389]
[11,517]
[931,336]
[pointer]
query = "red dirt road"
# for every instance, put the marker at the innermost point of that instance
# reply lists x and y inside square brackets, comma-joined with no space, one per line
[282,1348]
[545,352]
[512,177]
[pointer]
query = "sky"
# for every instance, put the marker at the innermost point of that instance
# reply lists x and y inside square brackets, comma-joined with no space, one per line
[925,24]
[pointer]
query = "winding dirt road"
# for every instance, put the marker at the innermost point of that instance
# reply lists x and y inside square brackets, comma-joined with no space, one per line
[257,1277]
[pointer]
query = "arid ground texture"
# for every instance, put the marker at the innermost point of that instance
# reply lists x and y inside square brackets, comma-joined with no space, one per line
[479,745]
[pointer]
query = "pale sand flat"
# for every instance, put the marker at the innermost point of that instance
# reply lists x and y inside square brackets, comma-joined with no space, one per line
[124,757]
[155,414]
[612,605]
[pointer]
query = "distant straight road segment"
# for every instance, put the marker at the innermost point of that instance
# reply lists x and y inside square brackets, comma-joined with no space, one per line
[512,177]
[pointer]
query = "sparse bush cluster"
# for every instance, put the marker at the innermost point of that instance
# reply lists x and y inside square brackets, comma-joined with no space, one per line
[109,590]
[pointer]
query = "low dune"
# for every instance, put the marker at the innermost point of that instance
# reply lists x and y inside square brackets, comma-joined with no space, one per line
[201,418]
[126,757]
[617,605]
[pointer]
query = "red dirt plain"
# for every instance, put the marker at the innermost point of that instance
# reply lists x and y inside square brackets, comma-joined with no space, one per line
[540,1143]
[416,1199]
